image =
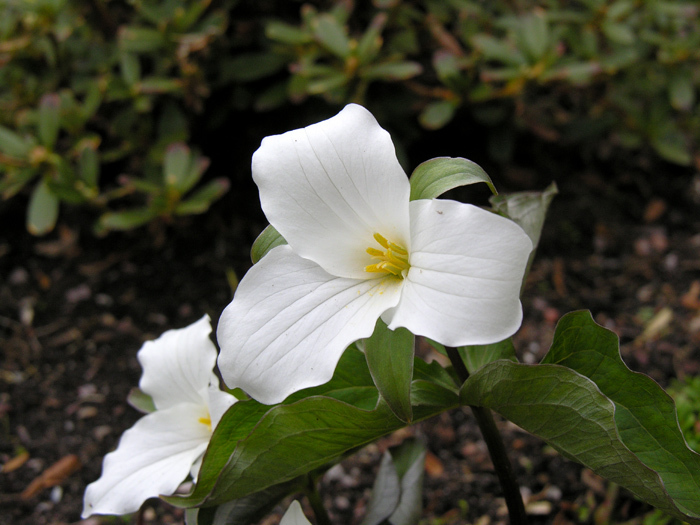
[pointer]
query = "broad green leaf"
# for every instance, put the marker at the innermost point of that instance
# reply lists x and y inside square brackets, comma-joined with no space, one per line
[434,177]
[269,238]
[256,446]
[42,212]
[390,360]
[141,401]
[13,144]
[527,209]
[332,35]
[203,198]
[49,119]
[645,415]
[479,355]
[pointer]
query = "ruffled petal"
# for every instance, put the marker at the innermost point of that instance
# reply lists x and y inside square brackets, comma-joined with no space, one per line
[177,366]
[294,515]
[467,266]
[330,187]
[290,322]
[153,458]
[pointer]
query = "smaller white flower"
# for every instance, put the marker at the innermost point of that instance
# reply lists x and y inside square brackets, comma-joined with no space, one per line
[155,456]
[294,515]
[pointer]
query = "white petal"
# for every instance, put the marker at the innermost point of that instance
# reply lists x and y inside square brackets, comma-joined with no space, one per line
[219,401]
[330,187]
[153,458]
[294,515]
[290,322]
[467,266]
[177,366]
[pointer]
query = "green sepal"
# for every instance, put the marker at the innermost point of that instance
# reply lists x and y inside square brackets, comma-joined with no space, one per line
[141,401]
[390,361]
[434,177]
[269,238]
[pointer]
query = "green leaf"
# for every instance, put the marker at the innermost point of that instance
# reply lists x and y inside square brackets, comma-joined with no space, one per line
[126,220]
[159,85]
[203,198]
[287,34]
[269,238]
[645,415]
[141,401]
[476,356]
[527,209]
[436,114]
[140,39]
[89,166]
[390,360]
[130,67]
[498,50]
[249,509]
[49,119]
[681,90]
[386,493]
[247,67]
[533,36]
[332,35]
[42,212]
[13,144]
[370,43]
[434,177]
[672,144]
[392,71]
[176,166]
[614,437]
[256,446]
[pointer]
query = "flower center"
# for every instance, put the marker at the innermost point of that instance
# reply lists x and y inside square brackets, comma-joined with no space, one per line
[206,421]
[393,260]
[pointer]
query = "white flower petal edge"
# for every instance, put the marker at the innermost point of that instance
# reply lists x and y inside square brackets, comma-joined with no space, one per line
[329,187]
[156,454]
[467,266]
[290,322]
[294,515]
[177,366]
[153,457]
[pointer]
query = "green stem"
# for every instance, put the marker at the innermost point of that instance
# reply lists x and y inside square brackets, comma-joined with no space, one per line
[316,503]
[497,449]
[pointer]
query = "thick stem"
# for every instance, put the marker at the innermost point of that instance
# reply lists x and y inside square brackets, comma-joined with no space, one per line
[497,449]
[316,503]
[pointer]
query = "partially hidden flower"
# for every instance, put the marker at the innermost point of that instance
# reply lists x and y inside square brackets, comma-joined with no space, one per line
[294,515]
[155,455]
[359,250]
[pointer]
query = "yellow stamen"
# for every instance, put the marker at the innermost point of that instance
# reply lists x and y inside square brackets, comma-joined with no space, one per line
[393,260]
[205,421]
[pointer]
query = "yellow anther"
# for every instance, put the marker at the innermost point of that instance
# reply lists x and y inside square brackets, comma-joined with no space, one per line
[393,260]
[205,421]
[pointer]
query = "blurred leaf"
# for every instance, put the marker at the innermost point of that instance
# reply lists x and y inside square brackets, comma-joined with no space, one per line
[49,119]
[13,144]
[436,176]
[533,36]
[671,144]
[130,67]
[140,39]
[494,49]
[268,239]
[437,114]
[203,198]
[386,492]
[371,42]
[332,35]
[324,85]
[155,85]
[392,71]
[42,212]
[389,356]
[89,166]
[125,220]
[681,90]
[176,166]
[285,33]
[247,67]
[409,459]
[618,32]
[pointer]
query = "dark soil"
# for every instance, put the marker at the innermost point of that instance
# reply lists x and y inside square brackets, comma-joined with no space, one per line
[74,310]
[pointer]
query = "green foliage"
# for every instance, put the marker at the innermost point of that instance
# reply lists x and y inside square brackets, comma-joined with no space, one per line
[686,394]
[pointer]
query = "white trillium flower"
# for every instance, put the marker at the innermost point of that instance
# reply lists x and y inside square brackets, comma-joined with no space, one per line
[155,455]
[359,250]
